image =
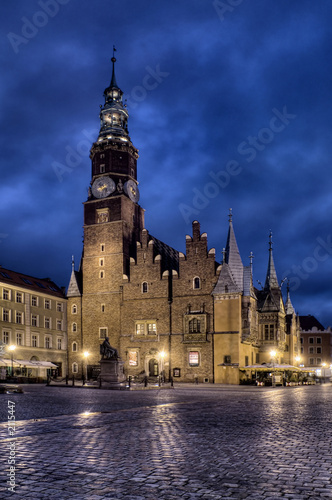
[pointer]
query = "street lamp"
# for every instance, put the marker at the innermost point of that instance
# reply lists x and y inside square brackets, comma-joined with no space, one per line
[162,355]
[86,354]
[273,355]
[12,349]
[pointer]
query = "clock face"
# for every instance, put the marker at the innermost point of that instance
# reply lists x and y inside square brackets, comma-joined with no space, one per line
[131,189]
[103,187]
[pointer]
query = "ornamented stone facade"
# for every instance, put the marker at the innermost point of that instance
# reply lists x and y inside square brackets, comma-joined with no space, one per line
[178,315]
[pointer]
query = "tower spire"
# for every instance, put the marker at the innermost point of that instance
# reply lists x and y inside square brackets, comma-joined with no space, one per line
[289,306]
[271,275]
[113,79]
[232,256]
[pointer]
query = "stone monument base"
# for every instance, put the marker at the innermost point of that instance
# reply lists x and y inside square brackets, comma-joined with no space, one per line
[111,373]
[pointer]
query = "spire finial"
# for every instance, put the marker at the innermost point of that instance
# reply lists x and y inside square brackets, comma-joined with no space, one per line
[223,255]
[251,257]
[113,80]
[230,215]
[270,240]
[113,58]
[72,263]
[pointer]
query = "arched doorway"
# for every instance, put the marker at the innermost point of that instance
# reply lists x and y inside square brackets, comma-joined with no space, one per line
[153,368]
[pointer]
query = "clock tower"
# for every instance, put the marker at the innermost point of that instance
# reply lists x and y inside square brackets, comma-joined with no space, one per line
[113,222]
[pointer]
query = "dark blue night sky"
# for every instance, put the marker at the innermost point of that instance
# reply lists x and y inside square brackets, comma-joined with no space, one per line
[230,106]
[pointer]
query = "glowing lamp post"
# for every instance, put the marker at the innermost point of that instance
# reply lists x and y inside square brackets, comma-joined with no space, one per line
[162,356]
[86,354]
[12,349]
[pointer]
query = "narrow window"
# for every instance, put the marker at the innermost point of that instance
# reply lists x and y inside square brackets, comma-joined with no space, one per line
[74,327]
[197,283]
[59,344]
[144,287]
[74,347]
[19,339]
[75,368]
[34,340]
[74,309]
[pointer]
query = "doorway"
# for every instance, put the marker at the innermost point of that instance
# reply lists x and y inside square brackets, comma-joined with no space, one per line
[153,368]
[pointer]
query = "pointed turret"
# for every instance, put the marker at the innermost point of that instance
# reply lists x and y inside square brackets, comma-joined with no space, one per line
[289,309]
[231,275]
[75,282]
[271,275]
[232,255]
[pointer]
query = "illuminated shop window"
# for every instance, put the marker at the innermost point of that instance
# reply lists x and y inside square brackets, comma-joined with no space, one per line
[193,358]
[133,358]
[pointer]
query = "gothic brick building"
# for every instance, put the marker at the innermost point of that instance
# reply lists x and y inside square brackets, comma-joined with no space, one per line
[181,315]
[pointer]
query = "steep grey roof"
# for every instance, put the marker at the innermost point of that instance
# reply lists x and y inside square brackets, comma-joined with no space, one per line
[226,282]
[269,300]
[233,258]
[75,284]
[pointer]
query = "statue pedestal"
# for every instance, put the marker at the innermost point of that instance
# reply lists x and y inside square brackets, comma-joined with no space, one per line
[111,373]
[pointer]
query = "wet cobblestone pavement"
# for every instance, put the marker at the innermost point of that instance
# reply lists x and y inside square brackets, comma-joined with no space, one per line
[187,443]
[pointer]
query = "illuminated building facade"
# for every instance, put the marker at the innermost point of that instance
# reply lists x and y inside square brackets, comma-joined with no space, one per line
[168,313]
[33,323]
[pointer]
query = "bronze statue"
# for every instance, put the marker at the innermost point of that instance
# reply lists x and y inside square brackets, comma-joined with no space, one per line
[107,351]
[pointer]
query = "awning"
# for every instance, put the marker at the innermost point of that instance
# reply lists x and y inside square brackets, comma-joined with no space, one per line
[271,367]
[21,363]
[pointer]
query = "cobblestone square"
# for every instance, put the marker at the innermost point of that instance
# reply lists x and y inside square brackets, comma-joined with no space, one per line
[205,442]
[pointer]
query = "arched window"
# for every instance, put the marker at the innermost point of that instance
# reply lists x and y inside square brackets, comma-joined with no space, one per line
[75,368]
[197,283]
[74,327]
[144,287]
[74,309]
[194,325]
[74,346]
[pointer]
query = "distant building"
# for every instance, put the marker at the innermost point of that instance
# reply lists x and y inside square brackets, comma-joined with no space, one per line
[316,342]
[168,313]
[34,321]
